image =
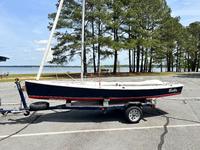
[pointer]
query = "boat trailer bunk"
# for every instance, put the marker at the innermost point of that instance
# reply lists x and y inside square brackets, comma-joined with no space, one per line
[133,109]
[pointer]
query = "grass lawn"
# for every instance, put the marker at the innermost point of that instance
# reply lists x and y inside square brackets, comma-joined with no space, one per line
[53,76]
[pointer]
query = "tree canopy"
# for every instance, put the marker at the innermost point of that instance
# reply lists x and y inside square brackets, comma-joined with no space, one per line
[145,29]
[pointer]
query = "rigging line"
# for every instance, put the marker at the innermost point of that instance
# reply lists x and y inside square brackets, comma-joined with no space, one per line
[20,130]
[70,77]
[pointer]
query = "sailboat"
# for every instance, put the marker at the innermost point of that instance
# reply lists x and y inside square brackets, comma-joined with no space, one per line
[86,91]
[95,91]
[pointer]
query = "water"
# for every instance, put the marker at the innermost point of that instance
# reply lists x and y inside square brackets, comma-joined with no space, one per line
[34,70]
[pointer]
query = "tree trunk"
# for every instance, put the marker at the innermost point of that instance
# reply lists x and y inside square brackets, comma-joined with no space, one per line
[179,63]
[129,52]
[198,63]
[133,60]
[194,62]
[98,57]
[138,59]
[84,61]
[151,59]
[93,49]
[185,62]
[177,60]
[115,62]
[99,48]
[145,60]
[129,58]
[197,69]
[142,61]
[193,65]
[168,62]
[188,62]
[172,62]
[115,52]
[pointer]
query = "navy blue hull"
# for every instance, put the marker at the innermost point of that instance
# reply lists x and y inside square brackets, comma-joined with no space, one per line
[42,91]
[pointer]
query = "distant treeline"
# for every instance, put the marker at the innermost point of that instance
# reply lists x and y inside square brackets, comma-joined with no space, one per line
[143,28]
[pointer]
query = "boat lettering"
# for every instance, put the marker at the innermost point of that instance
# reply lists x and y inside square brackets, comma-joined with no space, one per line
[172,90]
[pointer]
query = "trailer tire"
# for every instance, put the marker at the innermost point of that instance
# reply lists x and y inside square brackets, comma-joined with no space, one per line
[133,114]
[39,106]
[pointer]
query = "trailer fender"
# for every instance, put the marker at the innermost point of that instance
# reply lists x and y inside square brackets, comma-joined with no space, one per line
[129,104]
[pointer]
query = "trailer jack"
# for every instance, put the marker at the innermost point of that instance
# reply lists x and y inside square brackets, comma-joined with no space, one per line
[24,107]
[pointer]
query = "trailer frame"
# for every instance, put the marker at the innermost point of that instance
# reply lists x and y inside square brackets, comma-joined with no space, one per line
[133,109]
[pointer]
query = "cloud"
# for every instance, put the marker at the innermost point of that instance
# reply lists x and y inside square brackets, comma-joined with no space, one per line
[186,3]
[20,25]
[37,31]
[50,53]
[41,42]
[41,49]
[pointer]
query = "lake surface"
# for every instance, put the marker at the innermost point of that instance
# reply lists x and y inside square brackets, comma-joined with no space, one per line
[34,70]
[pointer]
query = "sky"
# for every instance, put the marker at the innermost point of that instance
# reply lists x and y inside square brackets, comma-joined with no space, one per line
[23,28]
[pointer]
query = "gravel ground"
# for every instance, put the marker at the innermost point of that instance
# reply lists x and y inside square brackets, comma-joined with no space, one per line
[174,124]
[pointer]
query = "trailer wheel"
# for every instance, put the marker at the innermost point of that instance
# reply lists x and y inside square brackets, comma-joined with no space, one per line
[39,106]
[133,114]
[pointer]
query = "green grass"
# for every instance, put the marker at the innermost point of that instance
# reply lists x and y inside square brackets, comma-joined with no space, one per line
[53,76]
